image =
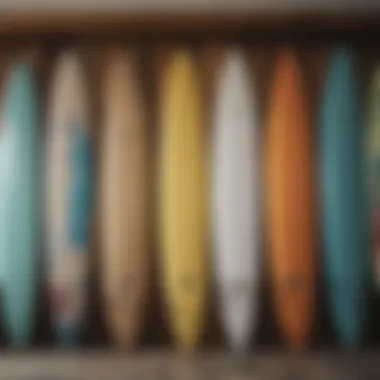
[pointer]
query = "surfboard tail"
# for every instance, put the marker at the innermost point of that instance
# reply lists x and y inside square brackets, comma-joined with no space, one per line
[187,330]
[185,302]
[347,309]
[123,334]
[19,332]
[296,327]
[237,315]
[69,334]
[124,313]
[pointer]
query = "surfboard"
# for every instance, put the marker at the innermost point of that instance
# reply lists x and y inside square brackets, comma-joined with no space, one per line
[291,203]
[69,194]
[235,199]
[343,198]
[20,167]
[182,199]
[124,199]
[373,175]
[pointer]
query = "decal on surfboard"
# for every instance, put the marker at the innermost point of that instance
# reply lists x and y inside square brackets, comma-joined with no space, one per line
[80,188]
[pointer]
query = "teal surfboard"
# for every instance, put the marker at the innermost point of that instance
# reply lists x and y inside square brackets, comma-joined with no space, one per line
[69,188]
[343,198]
[373,173]
[20,150]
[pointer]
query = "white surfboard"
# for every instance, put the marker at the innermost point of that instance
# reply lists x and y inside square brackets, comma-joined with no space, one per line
[69,197]
[235,194]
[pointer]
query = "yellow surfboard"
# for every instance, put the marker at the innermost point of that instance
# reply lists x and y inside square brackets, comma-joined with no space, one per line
[182,203]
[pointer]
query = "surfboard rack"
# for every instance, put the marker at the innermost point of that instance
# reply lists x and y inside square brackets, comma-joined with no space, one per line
[169,366]
[166,365]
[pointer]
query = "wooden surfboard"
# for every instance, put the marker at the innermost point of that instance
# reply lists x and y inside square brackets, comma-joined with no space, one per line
[183,227]
[373,174]
[291,203]
[343,198]
[235,198]
[20,170]
[124,199]
[69,193]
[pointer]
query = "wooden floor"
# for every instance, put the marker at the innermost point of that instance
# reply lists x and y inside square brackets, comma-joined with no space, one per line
[206,366]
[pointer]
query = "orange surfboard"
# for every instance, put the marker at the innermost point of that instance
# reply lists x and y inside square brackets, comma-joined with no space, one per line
[123,187]
[291,201]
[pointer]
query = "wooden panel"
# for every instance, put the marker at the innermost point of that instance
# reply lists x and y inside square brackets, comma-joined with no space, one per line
[77,23]
[167,366]
[191,5]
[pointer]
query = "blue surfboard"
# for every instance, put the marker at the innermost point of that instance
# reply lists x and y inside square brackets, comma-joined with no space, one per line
[343,199]
[19,202]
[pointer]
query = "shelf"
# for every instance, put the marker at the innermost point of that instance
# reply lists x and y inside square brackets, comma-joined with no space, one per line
[205,366]
[94,23]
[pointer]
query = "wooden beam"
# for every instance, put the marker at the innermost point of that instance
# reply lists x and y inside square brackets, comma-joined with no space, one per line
[87,23]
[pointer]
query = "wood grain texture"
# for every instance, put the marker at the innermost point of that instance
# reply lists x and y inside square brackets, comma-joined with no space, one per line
[123,199]
[291,200]
[270,365]
[87,23]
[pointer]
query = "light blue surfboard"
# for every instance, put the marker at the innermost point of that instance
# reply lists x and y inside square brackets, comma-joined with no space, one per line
[343,199]
[20,150]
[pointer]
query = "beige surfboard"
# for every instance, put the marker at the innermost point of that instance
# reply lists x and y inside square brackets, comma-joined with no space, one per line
[123,198]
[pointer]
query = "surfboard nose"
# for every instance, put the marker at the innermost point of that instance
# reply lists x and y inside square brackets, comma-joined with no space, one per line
[20,85]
